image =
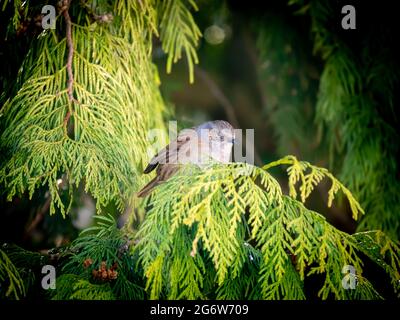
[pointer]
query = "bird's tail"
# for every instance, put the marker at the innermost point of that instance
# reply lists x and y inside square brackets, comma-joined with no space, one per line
[146,190]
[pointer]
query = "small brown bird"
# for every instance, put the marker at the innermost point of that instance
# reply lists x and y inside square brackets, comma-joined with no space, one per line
[210,141]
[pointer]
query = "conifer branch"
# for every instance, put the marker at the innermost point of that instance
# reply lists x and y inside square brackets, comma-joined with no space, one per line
[70,45]
[175,15]
[356,89]
[204,214]
[9,272]
[70,52]
[110,74]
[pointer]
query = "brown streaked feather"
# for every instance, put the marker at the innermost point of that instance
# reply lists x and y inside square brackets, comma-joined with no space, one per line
[168,160]
[165,161]
[164,172]
[170,153]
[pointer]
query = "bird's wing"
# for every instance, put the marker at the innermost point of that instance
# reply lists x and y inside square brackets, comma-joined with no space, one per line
[164,172]
[170,153]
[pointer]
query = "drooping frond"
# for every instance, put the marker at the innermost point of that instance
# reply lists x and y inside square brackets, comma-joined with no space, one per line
[10,278]
[375,244]
[309,176]
[355,108]
[96,134]
[213,208]
[175,15]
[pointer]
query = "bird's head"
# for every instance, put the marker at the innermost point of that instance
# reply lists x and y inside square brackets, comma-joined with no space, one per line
[218,131]
[217,138]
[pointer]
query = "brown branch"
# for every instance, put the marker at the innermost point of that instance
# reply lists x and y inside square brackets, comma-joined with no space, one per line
[70,82]
[70,53]
[66,119]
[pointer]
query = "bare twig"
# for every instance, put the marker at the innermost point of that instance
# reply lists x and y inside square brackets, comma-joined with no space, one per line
[70,53]
[70,82]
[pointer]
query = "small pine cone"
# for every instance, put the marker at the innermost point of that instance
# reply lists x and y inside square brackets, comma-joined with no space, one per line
[95,273]
[104,275]
[87,262]
[103,266]
[113,275]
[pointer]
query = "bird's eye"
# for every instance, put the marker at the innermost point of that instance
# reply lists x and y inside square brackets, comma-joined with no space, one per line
[221,138]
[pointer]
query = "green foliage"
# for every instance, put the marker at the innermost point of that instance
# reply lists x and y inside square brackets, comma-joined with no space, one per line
[84,290]
[97,243]
[101,244]
[376,244]
[176,16]
[72,287]
[218,212]
[99,137]
[226,231]
[22,258]
[23,268]
[64,287]
[356,111]
[244,283]
[10,278]
[17,11]
[309,176]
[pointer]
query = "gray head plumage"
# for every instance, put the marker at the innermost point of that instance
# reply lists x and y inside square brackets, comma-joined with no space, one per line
[217,130]
[216,124]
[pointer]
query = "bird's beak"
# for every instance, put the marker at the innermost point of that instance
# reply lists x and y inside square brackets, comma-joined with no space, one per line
[233,141]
